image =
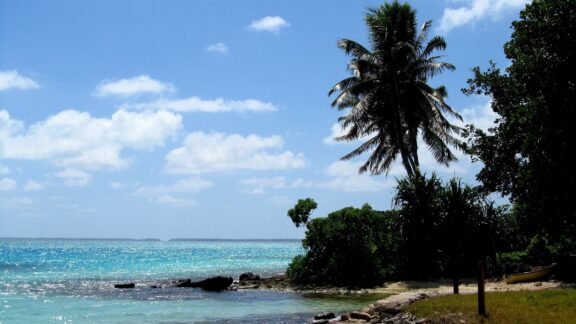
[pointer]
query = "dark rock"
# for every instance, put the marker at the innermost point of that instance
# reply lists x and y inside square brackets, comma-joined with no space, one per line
[361,316]
[249,276]
[184,283]
[155,286]
[125,286]
[325,316]
[388,308]
[215,283]
[344,317]
[211,284]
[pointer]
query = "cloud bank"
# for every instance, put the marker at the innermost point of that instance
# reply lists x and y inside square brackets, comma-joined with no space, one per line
[74,139]
[196,104]
[271,24]
[132,87]
[14,80]
[212,152]
[476,10]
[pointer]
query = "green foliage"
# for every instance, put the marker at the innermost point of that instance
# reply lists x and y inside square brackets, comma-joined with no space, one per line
[388,96]
[539,251]
[466,228]
[300,214]
[419,202]
[298,270]
[350,247]
[438,230]
[446,228]
[563,252]
[511,262]
[528,154]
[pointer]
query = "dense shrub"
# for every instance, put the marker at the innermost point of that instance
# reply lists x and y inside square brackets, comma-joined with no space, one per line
[511,262]
[350,247]
[539,252]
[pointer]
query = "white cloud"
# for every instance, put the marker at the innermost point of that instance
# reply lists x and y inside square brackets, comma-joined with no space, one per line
[257,186]
[344,177]
[341,176]
[216,152]
[195,104]
[132,86]
[32,185]
[482,116]
[360,183]
[169,200]
[74,139]
[165,194]
[343,169]
[269,24]
[218,48]
[428,163]
[336,131]
[476,10]
[9,126]
[190,185]
[8,184]
[13,80]
[74,177]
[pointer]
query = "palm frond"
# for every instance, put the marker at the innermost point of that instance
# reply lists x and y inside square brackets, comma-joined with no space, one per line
[353,48]
[436,43]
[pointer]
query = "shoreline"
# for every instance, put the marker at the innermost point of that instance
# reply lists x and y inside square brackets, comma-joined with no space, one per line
[281,283]
[400,294]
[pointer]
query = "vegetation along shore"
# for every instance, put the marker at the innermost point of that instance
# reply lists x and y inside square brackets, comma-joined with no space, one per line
[446,228]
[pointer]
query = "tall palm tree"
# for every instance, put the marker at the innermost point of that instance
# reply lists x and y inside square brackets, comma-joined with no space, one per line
[389,99]
[419,201]
[462,214]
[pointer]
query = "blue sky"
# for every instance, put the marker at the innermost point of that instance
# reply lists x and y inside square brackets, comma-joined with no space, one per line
[199,119]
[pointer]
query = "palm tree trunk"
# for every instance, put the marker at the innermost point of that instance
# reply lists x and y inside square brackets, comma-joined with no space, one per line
[404,153]
[414,149]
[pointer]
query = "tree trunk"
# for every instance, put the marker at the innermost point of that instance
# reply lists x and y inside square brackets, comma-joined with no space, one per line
[455,276]
[456,283]
[481,295]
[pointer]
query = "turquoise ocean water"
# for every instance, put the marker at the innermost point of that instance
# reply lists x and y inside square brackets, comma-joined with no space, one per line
[71,281]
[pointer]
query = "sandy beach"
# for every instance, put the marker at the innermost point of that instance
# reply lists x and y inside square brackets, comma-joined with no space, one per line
[401,293]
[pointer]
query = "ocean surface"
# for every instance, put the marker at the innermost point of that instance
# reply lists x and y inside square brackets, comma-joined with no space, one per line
[72,281]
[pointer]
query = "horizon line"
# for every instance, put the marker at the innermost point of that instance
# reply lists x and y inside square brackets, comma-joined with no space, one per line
[146,239]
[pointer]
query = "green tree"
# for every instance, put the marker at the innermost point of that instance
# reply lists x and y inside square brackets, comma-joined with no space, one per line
[389,98]
[300,214]
[464,238]
[527,155]
[349,247]
[419,202]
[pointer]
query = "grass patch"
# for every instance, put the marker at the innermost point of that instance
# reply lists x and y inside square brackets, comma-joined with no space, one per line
[543,306]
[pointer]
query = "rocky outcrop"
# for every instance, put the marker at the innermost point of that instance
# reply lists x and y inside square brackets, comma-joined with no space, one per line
[125,285]
[248,276]
[215,283]
[211,284]
[360,316]
[325,316]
